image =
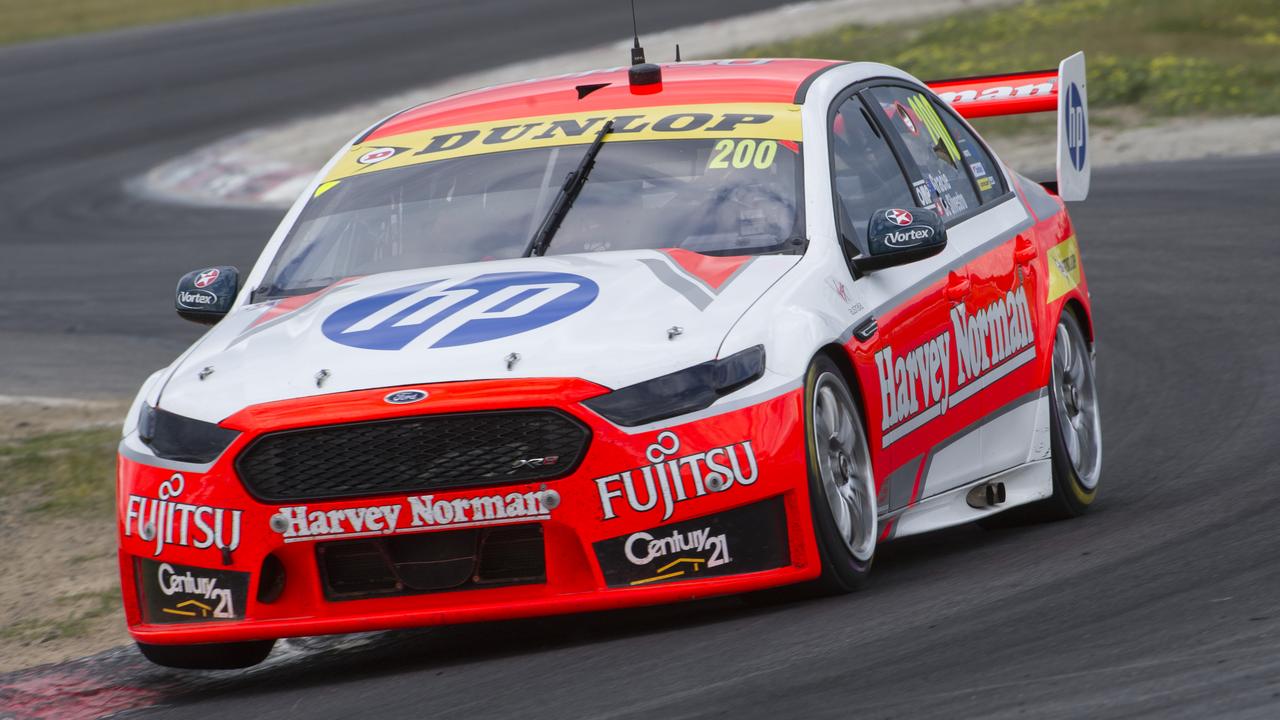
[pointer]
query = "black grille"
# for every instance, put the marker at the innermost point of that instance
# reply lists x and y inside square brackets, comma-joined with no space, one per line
[412,454]
[432,562]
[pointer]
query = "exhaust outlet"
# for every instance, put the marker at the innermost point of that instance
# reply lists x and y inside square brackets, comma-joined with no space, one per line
[987,495]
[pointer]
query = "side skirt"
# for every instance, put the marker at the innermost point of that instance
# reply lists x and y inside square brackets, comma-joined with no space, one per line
[1023,484]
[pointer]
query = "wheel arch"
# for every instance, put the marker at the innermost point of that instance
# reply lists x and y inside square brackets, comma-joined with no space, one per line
[840,356]
[1076,307]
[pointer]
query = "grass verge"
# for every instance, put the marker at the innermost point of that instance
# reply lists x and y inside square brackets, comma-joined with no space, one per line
[70,617]
[59,589]
[25,20]
[64,473]
[1163,57]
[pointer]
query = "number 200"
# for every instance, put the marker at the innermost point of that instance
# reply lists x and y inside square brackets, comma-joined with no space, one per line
[743,153]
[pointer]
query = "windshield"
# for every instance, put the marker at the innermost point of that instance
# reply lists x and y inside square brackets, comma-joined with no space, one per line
[717,196]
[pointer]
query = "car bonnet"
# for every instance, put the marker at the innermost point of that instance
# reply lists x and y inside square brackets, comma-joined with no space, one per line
[610,318]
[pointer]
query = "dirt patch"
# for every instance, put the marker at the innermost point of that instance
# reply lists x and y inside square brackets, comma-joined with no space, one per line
[59,590]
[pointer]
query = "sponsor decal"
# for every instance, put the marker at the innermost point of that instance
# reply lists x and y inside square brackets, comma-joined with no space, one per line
[978,170]
[451,313]
[417,513]
[404,397]
[985,184]
[196,299]
[924,382]
[746,539]
[999,92]
[1077,128]
[206,278]
[178,593]
[757,121]
[670,478]
[838,288]
[165,521]
[901,218]
[909,237]
[923,197]
[376,155]
[1064,268]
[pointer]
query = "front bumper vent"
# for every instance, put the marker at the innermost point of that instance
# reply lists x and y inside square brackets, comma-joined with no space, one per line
[432,562]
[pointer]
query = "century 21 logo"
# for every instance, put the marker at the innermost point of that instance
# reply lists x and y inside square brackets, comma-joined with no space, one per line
[444,313]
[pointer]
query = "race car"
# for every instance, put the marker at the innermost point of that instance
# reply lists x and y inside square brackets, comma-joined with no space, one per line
[617,338]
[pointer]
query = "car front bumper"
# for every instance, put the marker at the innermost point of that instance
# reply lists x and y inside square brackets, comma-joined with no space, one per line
[203,560]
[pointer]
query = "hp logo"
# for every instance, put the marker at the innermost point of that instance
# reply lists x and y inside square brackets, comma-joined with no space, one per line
[447,313]
[1076,128]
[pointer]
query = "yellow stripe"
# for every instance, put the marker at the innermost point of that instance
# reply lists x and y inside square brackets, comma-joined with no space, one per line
[657,578]
[765,121]
[696,563]
[1064,268]
[937,130]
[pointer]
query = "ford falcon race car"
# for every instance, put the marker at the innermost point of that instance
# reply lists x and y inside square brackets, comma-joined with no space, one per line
[617,338]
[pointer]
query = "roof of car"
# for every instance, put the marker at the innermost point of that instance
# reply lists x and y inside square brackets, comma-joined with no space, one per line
[685,83]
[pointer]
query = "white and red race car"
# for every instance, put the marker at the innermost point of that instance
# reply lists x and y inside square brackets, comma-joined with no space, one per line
[616,338]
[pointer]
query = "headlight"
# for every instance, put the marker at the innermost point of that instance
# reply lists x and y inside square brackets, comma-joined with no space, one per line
[174,437]
[680,392]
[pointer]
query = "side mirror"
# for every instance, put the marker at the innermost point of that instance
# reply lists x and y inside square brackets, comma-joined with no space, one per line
[205,296]
[896,236]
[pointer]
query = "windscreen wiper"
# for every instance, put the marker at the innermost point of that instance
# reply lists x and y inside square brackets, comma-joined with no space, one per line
[569,192]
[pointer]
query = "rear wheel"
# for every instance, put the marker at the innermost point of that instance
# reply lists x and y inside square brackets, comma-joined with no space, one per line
[1075,426]
[841,484]
[208,656]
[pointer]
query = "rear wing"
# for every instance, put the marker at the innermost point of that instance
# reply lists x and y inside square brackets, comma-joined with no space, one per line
[1061,91]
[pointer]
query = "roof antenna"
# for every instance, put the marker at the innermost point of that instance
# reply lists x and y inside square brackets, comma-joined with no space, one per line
[677,52]
[642,74]
[637,52]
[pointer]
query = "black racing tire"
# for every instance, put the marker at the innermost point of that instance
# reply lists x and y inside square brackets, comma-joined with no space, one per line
[842,571]
[208,656]
[1072,496]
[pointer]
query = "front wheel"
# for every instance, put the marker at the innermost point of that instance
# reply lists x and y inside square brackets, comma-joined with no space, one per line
[208,656]
[841,485]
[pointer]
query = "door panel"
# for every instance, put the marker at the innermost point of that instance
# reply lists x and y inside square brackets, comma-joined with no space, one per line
[907,367]
[1004,286]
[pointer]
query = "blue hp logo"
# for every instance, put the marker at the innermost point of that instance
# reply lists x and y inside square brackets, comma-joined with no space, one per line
[442,313]
[1076,129]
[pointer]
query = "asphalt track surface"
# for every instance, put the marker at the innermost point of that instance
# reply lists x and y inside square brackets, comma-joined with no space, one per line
[87,270]
[1160,603]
